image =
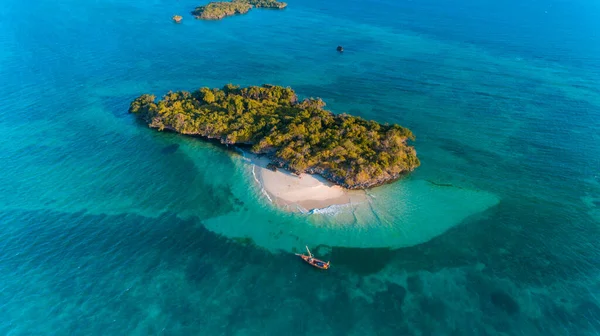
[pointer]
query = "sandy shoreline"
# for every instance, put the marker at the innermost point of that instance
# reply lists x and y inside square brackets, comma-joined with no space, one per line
[300,193]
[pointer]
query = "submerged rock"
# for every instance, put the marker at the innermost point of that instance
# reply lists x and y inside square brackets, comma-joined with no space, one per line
[505,302]
[170,149]
[434,307]
[391,300]
[414,283]
[396,293]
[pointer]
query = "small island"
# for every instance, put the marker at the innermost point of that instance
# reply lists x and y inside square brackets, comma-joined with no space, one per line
[220,9]
[298,136]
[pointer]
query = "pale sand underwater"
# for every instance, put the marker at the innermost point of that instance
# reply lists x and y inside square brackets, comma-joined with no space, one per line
[275,215]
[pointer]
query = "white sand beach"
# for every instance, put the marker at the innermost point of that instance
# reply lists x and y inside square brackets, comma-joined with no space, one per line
[301,193]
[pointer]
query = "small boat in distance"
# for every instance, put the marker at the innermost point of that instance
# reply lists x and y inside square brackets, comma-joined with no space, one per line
[177,18]
[313,261]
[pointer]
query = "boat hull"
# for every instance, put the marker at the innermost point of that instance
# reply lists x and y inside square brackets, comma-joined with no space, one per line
[314,262]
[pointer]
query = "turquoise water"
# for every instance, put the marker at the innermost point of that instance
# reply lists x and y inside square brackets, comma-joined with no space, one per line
[109,228]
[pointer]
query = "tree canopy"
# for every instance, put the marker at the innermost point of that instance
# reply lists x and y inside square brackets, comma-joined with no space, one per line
[220,9]
[300,136]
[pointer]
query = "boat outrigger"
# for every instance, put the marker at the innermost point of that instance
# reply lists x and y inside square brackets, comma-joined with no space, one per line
[313,261]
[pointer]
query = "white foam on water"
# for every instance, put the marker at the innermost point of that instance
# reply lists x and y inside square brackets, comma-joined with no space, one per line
[262,188]
[332,209]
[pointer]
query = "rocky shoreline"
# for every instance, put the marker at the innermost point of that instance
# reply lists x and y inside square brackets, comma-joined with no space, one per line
[221,9]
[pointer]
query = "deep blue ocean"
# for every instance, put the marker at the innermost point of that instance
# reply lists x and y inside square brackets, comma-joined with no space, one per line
[110,228]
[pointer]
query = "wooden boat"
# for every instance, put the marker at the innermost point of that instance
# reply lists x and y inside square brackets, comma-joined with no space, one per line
[177,18]
[313,261]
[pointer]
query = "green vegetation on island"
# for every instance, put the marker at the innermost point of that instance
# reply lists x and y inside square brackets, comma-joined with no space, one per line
[220,9]
[300,136]
[266,3]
